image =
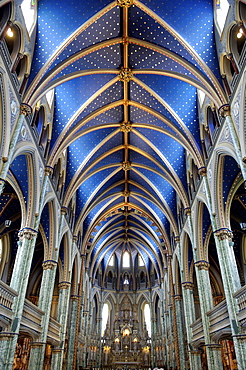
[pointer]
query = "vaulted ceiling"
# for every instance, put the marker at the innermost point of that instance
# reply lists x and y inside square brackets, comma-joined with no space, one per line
[126,76]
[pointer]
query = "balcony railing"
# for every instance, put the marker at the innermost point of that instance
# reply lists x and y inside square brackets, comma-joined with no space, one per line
[31,319]
[240,297]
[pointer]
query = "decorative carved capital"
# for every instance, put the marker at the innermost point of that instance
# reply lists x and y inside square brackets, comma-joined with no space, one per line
[202,265]
[25,109]
[74,297]
[63,210]
[38,344]
[49,264]
[7,336]
[125,74]
[48,170]
[213,346]
[177,297]
[27,233]
[224,234]
[126,166]
[125,3]
[225,110]
[188,285]
[64,285]
[177,239]
[202,171]
[125,126]
[187,211]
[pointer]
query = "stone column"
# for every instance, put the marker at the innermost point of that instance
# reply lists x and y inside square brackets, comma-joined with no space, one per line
[178,306]
[62,315]
[72,332]
[205,297]
[230,277]
[25,110]
[19,283]
[173,327]
[189,312]
[99,331]
[44,303]
[231,283]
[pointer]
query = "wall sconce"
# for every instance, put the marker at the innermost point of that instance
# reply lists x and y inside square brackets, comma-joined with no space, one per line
[106,348]
[135,340]
[117,340]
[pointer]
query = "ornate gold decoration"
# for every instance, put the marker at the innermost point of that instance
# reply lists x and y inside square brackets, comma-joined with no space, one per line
[126,193]
[187,211]
[125,74]
[49,264]
[25,109]
[188,285]
[126,166]
[125,3]
[63,210]
[224,234]
[202,171]
[225,110]
[202,265]
[64,285]
[48,170]
[27,233]
[125,126]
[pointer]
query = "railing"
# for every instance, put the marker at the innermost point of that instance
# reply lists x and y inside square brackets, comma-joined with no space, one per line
[218,317]
[7,296]
[54,330]
[197,330]
[31,319]
[240,297]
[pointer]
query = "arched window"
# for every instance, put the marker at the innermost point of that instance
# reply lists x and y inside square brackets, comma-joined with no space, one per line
[111,261]
[222,7]
[28,10]
[147,318]
[126,259]
[140,261]
[105,314]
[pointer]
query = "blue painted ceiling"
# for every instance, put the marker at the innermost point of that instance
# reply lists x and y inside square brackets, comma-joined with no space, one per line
[169,51]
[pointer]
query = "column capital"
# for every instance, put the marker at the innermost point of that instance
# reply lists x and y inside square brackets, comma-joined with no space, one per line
[7,336]
[37,344]
[188,285]
[27,233]
[75,297]
[25,109]
[49,264]
[223,233]
[187,211]
[202,265]
[202,171]
[213,346]
[57,350]
[177,297]
[177,239]
[48,170]
[64,210]
[241,337]
[64,285]
[225,110]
